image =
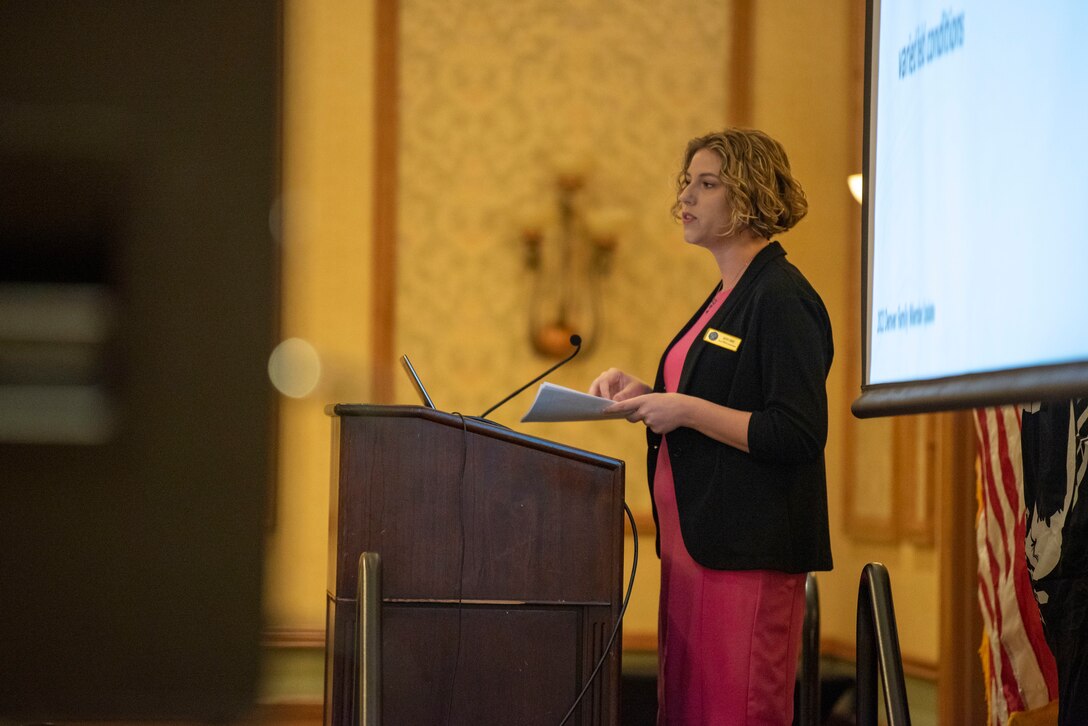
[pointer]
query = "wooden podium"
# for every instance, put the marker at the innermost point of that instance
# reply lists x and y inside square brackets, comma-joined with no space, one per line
[502,568]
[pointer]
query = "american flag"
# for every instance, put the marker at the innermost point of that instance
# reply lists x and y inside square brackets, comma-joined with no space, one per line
[1018,667]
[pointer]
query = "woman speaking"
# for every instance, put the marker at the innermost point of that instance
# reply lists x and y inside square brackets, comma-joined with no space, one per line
[736,424]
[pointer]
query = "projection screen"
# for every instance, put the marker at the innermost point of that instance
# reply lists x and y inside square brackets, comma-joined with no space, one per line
[975,252]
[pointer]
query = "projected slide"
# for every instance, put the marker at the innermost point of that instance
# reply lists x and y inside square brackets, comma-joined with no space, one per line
[978,242]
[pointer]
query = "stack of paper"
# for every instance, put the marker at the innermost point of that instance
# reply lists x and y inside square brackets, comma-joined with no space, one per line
[557,403]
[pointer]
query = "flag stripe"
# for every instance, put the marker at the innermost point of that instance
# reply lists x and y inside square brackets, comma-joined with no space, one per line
[1019,667]
[1018,600]
[1005,688]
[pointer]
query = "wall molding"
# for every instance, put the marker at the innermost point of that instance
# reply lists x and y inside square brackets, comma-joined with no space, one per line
[740,72]
[293,638]
[847,651]
[383,277]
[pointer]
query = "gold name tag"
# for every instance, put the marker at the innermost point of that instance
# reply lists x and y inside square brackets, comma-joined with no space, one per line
[722,340]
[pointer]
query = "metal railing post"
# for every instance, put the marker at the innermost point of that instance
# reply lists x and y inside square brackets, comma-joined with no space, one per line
[368,648]
[810,656]
[878,645]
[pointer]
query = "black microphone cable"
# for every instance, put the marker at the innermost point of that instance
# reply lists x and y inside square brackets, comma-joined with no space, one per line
[619,620]
[461,563]
[575,340]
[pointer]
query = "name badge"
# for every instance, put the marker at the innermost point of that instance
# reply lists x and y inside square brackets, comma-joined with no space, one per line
[722,340]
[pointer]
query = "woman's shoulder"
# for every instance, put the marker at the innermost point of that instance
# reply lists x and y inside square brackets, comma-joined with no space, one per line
[782,280]
[783,297]
[787,306]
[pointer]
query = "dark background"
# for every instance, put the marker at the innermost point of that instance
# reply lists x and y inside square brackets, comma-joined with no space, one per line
[138,158]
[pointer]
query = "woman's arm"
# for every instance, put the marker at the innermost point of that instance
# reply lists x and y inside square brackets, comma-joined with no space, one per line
[664,412]
[795,357]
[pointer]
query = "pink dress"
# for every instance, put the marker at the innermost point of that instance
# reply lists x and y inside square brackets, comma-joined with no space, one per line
[727,640]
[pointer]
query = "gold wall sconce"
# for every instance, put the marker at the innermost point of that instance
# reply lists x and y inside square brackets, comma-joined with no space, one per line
[567,258]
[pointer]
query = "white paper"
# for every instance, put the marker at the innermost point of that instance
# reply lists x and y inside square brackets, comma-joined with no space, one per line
[557,403]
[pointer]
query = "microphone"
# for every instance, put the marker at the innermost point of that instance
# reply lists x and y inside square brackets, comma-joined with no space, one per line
[575,340]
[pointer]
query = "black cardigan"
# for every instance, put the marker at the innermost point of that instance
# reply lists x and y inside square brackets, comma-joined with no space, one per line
[766,509]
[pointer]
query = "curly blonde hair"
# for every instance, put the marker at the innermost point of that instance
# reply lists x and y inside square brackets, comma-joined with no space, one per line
[764,196]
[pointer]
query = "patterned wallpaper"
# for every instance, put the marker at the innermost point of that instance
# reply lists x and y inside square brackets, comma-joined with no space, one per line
[495,96]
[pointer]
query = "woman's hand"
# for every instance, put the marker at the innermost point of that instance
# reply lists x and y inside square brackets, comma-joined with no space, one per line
[665,412]
[661,412]
[615,385]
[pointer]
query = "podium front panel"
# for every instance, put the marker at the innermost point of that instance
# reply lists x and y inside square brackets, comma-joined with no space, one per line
[502,561]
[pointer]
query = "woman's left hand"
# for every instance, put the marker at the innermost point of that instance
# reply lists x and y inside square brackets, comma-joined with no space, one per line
[661,412]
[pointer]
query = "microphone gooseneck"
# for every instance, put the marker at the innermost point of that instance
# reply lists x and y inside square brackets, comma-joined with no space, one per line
[575,340]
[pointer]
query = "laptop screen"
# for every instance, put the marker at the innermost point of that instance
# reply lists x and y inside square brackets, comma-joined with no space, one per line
[418,384]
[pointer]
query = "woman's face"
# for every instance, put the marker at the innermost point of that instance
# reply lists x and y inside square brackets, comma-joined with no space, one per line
[704,203]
